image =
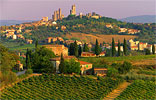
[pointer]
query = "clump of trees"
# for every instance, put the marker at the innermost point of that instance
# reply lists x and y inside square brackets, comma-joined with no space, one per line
[69,66]
[8,61]
[39,60]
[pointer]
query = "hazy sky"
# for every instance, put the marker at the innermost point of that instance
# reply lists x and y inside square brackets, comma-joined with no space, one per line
[36,9]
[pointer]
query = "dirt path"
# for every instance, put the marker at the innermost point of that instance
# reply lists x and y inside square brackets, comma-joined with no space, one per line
[117,91]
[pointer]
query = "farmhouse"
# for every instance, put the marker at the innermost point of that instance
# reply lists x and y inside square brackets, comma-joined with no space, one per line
[58,49]
[88,54]
[85,67]
[100,71]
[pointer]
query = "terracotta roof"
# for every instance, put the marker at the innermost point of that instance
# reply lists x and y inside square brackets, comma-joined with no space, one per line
[83,63]
[100,68]
[87,53]
[103,52]
[134,46]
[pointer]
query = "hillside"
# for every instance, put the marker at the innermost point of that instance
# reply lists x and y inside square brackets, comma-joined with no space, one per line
[140,19]
[91,38]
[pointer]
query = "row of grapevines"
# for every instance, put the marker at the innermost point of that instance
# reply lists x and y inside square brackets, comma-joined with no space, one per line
[139,90]
[61,87]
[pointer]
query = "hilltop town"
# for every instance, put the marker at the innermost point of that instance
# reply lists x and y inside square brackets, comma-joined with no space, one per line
[69,57]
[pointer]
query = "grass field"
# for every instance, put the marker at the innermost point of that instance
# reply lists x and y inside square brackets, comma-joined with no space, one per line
[132,59]
[92,37]
[22,48]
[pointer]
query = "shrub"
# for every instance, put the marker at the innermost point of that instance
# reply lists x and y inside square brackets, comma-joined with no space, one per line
[29,71]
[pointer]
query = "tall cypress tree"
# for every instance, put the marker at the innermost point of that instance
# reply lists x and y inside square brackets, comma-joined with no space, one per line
[153,49]
[71,49]
[125,47]
[36,44]
[76,49]
[85,48]
[113,47]
[80,50]
[119,51]
[28,59]
[62,66]
[97,48]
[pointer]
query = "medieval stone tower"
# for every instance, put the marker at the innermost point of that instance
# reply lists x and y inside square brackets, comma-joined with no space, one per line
[73,10]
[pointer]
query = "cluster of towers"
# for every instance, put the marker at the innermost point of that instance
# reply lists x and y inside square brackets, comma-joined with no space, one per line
[57,15]
[73,10]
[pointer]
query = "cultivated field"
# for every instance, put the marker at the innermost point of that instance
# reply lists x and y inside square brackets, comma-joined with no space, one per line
[92,37]
[61,87]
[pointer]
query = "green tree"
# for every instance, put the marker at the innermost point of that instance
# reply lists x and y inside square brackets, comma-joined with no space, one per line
[71,49]
[147,52]
[28,59]
[119,51]
[113,47]
[153,49]
[85,48]
[80,50]
[76,49]
[36,44]
[62,65]
[41,60]
[125,47]
[97,48]
[112,72]
[72,66]
[125,67]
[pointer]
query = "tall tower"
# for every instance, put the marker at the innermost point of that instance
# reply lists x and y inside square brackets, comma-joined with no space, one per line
[73,10]
[60,13]
[55,16]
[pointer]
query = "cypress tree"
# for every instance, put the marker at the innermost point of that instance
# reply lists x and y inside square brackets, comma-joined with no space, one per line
[97,48]
[80,50]
[76,49]
[119,51]
[62,66]
[71,49]
[153,49]
[28,58]
[125,47]
[85,48]
[28,62]
[113,47]
[36,44]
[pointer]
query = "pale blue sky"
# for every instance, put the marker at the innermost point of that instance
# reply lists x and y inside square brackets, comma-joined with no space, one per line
[36,9]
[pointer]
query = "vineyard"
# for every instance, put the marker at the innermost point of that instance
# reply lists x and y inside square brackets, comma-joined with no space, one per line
[61,87]
[139,90]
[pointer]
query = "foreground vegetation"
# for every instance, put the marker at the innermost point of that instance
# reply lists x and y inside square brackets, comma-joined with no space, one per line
[61,87]
[139,90]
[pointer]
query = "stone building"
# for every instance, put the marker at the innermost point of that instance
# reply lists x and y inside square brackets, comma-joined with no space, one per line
[73,10]
[88,54]
[142,46]
[29,41]
[85,67]
[45,19]
[100,71]
[58,49]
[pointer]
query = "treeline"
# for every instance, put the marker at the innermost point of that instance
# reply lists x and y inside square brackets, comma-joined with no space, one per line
[8,61]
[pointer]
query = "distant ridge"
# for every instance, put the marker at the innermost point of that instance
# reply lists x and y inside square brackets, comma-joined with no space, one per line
[13,22]
[140,19]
